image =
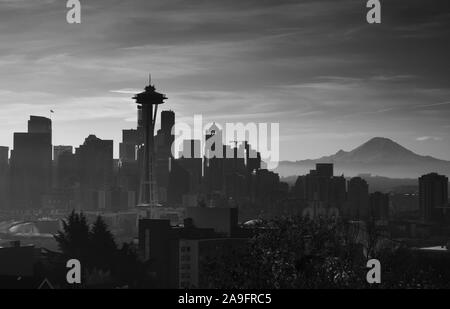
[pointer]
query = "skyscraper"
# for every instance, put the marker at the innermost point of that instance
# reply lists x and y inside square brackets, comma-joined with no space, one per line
[31,162]
[433,196]
[95,167]
[324,169]
[191,161]
[320,185]
[167,123]
[4,172]
[4,155]
[164,157]
[128,146]
[59,150]
[357,198]
[38,124]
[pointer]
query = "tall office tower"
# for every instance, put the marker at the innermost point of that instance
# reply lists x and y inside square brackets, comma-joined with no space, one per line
[179,184]
[95,168]
[338,193]
[379,206]
[253,158]
[66,170]
[167,123]
[234,172]
[316,186]
[31,162]
[433,196]
[264,187]
[4,159]
[321,186]
[148,102]
[214,142]
[191,161]
[324,169]
[163,147]
[4,172]
[128,172]
[4,155]
[213,163]
[59,150]
[357,198]
[38,124]
[128,146]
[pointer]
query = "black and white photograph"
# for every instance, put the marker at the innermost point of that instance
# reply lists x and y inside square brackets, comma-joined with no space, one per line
[224,149]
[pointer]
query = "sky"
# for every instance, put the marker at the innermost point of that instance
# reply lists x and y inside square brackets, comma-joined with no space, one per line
[331,80]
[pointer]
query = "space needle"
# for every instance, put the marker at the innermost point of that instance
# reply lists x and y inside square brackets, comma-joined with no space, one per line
[148,102]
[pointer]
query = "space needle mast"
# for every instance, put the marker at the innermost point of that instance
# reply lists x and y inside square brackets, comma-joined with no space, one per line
[148,102]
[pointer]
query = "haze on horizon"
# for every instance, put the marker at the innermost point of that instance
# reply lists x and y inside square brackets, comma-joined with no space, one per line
[331,80]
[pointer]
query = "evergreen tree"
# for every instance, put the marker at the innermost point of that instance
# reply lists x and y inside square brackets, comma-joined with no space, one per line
[73,240]
[103,263]
[103,246]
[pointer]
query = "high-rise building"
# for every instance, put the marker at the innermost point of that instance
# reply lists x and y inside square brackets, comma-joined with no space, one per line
[38,124]
[167,123]
[191,161]
[95,167]
[179,183]
[66,170]
[4,155]
[164,157]
[128,171]
[324,169]
[177,253]
[357,198]
[31,162]
[128,147]
[321,186]
[433,197]
[214,142]
[264,184]
[59,150]
[4,173]
[213,163]
[253,158]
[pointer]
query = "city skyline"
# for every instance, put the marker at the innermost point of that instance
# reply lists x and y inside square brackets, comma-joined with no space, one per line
[224,145]
[331,80]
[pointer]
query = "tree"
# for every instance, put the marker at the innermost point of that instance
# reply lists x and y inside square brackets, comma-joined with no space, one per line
[290,253]
[103,264]
[103,246]
[73,240]
[300,253]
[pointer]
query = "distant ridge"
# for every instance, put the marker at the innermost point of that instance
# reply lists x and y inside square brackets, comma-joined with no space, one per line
[378,156]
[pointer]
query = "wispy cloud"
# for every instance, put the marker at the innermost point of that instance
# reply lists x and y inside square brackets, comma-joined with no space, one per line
[127,91]
[428,138]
